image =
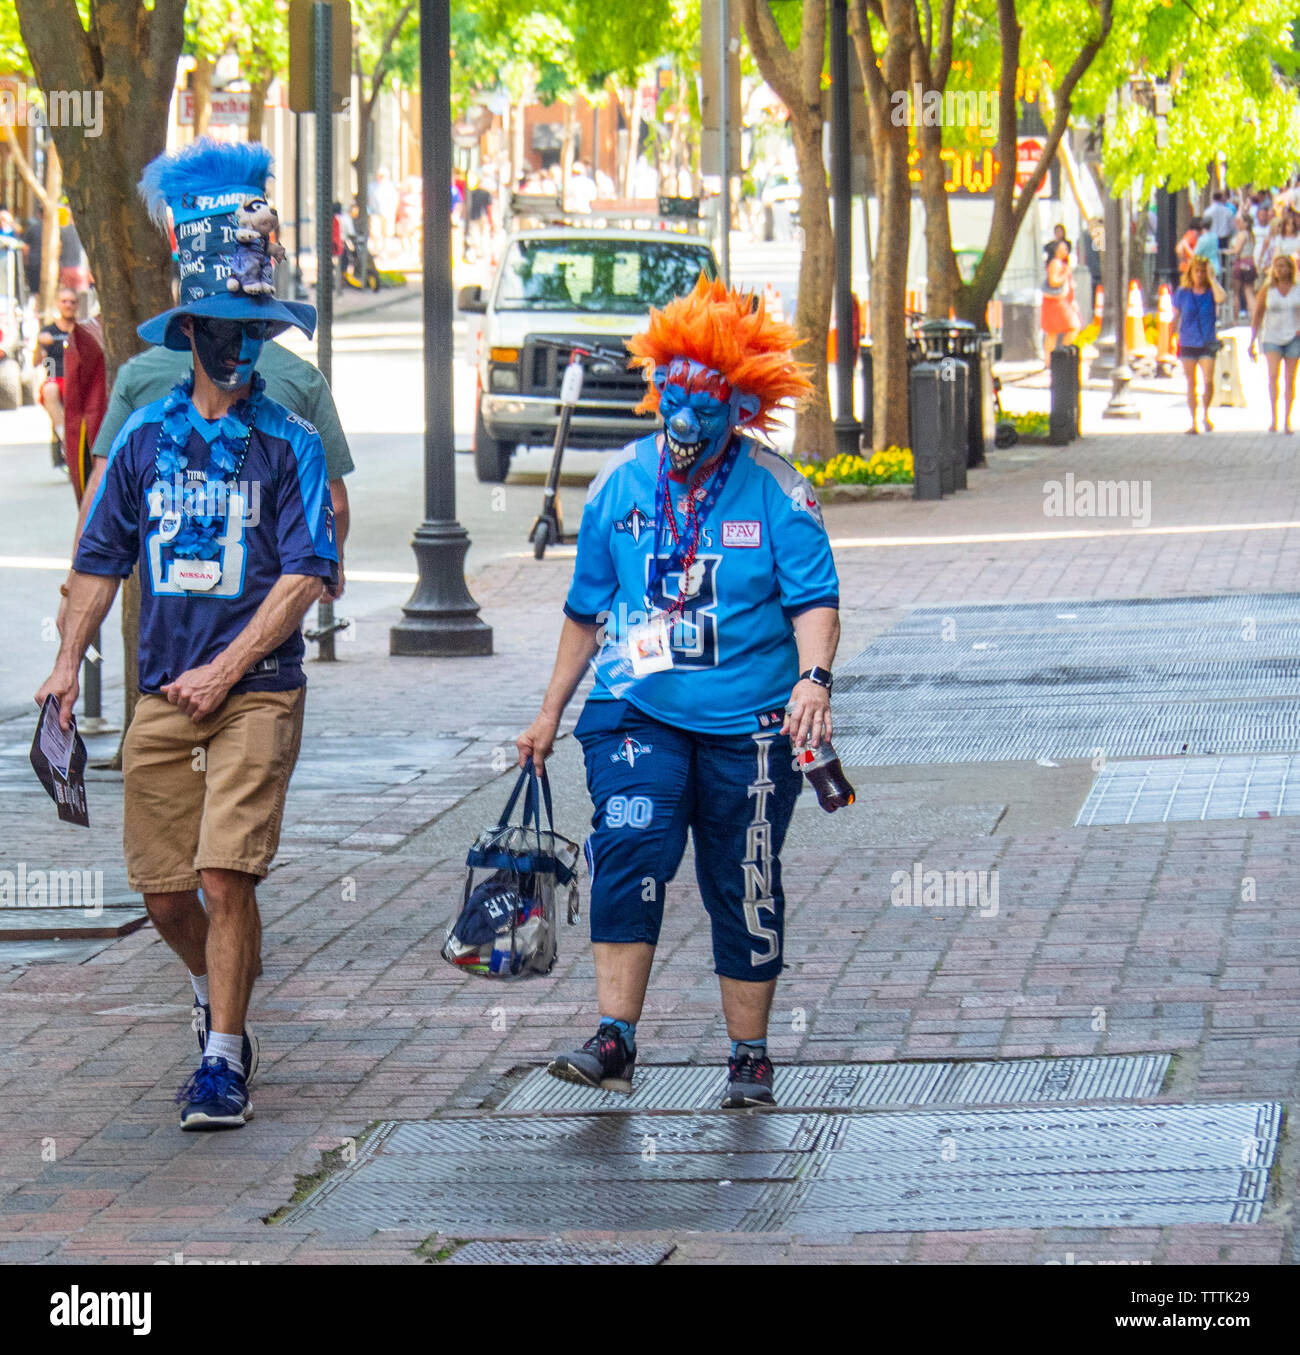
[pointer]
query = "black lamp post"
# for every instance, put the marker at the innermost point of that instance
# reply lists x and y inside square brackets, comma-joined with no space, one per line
[441,617]
[848,431]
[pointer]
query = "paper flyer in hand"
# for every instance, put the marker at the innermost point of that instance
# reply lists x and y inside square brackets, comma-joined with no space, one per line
[59,760]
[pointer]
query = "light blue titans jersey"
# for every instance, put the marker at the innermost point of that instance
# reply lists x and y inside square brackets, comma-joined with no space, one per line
[764,558]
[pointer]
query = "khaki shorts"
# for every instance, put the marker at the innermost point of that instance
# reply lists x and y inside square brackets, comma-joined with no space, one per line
[207,796]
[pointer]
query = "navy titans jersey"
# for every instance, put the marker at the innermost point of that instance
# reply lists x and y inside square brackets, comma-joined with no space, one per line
[279,522]
[763,558]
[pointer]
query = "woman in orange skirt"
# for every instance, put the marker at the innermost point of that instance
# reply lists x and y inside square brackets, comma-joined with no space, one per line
[1060,315]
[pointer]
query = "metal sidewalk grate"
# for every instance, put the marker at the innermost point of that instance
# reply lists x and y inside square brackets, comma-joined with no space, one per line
[864,1085]
[1091,1166]
[1133,678]
[552,1253]
[1182,790]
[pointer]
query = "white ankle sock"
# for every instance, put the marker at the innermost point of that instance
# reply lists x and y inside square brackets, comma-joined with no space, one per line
[199,982]
[228,1047]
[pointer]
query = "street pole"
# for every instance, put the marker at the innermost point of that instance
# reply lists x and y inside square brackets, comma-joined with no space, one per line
[441,617]
[1120,406]
[724,133]
[299,290]
[323,63]
[848,432]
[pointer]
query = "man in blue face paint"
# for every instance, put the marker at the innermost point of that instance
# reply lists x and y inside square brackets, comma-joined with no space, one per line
[218,496]
[705,598]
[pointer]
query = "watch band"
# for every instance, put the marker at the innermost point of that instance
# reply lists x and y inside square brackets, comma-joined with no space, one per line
[821,676]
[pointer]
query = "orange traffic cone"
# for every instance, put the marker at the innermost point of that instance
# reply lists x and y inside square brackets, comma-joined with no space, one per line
[1135,335]
[1165,342]
[1099,305]
[772,302]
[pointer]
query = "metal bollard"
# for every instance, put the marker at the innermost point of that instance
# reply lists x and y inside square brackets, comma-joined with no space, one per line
[928,433]
[1063,421]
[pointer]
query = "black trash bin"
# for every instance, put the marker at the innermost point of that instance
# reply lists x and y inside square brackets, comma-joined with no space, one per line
[955,388]
[931,440]
[915,355]
[960,339]
[983,413]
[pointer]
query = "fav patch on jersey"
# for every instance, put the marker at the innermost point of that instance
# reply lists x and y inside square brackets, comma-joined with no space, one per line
[634,523]
[770,719]
[631,749]
[743,534]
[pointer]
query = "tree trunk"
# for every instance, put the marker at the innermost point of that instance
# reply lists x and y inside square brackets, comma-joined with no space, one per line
[889,142]
[1011,206]
[361,168]
[50,238]
[129,59]
[201,88]
[257,91]
[795,76]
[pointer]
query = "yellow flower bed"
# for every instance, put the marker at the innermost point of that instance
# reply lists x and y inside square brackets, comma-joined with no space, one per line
[892,466]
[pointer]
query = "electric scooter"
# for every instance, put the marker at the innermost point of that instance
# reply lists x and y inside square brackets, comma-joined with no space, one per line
[548,525]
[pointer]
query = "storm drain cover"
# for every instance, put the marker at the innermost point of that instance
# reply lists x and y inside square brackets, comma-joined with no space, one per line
[1128,678]
[1091,1166]
[835,1085]
[1191,789]
[551,1253]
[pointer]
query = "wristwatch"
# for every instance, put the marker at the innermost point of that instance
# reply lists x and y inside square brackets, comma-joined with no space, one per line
[821,676]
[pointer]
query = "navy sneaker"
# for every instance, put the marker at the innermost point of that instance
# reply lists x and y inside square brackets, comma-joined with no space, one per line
[749,1082]
[216,1097]
[250,1053]
[602,1062]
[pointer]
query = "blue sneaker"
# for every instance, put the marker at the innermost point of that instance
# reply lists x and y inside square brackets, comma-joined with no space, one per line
[216,1097]
[250,1053]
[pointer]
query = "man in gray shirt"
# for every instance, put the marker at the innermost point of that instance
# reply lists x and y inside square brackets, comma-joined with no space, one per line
[290,380]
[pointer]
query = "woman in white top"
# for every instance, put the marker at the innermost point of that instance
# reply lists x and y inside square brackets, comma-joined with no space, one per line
[1276,323]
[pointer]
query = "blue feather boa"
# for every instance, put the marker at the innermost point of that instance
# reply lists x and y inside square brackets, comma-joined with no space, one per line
[203,165]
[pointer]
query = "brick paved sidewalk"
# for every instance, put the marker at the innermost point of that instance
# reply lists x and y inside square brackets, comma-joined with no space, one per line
[361,1021]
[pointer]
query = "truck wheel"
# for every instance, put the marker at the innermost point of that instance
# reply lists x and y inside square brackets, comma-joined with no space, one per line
[491,458]
[11,385]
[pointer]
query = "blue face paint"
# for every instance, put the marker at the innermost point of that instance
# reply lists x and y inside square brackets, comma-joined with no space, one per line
[227,351]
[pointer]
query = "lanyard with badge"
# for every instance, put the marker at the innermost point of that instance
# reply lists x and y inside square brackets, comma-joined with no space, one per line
[195,537]
[650,642]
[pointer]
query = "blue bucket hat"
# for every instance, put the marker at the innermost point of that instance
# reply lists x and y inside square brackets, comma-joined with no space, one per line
[216,193]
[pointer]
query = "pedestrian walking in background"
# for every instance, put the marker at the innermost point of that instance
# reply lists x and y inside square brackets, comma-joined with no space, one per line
[50,343]
[1186,247]
[218,496]
[1059,318]
[1243,271]
[705,590]
[1195,305]
[1221,220]
[1275,321]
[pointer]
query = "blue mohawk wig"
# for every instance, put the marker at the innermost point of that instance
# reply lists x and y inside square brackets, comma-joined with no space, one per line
[201,166]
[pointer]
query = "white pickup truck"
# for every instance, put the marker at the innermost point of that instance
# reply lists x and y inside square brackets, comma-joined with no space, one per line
[585,284]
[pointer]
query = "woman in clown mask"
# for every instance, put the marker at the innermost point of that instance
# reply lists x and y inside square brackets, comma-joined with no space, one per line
[705,599]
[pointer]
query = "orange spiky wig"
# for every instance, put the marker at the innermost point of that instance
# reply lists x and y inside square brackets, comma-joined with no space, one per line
[725,331]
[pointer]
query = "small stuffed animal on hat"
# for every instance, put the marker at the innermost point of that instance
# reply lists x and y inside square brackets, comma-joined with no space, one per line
[252,268]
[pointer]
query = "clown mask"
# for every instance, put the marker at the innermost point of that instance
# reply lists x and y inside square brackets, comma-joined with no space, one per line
[700,410]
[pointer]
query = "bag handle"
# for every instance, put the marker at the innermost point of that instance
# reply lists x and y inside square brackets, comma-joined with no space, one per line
[531,806]
[514,796]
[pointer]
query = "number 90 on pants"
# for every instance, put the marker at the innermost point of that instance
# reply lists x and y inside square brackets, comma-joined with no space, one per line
[629,811]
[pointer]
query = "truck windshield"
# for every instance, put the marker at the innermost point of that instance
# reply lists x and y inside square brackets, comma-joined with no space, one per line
[610,277]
